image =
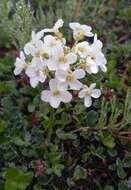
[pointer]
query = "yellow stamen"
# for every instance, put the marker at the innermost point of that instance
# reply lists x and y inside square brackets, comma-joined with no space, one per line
[93,56]
[88,93]
[63,60]
[56,93]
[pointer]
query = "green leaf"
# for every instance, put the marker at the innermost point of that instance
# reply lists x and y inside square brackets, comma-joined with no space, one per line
[107,139]
[31,108]
[123,185]
[120,172]
[64,135]
[17,179]
[109,187]
[37,187]
[127,162]
[2,126]
[79,173]
[57,169]
[91,118]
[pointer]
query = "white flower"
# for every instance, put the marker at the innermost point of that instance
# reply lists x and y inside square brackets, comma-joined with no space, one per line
[61,61]
[38,50]
[36,71]
[36,39]
[55,95]
[79,31]
[82,49]
[88,92]
[96,58]
[52,45]
[91,66]
[56,27]
[69,78]
[20,64]
[97,42]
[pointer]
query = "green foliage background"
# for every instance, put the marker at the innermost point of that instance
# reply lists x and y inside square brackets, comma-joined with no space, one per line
[84,149]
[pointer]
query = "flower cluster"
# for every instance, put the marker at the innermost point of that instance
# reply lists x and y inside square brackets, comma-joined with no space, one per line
[47,57]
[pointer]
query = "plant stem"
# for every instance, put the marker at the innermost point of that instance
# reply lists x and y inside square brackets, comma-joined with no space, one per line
[51,124]
[76,13]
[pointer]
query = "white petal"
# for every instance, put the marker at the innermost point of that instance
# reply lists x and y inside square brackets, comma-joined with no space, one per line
[39,45]
[92,86]
[95,37]
[30,71]
[33,34]
[42,78]
[58,24]
[74,25]
[88,101]
[96,93]
[79,73]
[94,68]
[29,49]
[53,84]
[22,56]
[89,34]
[55,101]
[61,75]
[46,30]
[66,96]
[103,68]
[71,57]
[48,39]
[75,85]
[81,94]
[34,81]
[18,70]
[39,34]
[38,63]
[52,64]
[64,66]
[45,95]
[86,28]
[62,85]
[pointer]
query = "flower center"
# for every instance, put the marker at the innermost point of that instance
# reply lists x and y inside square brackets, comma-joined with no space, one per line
[82,65]
[38,72]
[88,93]
[79,34]
[56,93]
[81,49]
[69,77]
[41,54]
[53,44]
[93,56]
[63,60]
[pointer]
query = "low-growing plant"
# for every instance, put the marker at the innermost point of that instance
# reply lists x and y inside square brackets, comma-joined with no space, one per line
[71,146]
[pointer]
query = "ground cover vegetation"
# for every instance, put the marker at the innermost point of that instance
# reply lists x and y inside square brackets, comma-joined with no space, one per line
[73,146]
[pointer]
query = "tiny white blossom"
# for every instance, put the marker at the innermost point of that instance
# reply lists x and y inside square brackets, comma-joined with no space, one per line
[79,31]
[56,27]
[36,39]
[82,49]
[52,45]
[69,78]
[91,66]
[55,95]
[61,61]
[97,42]
[88,92]
[36,71]
[38,50]
[20,64]
[96,58]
